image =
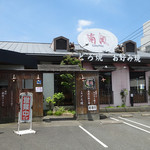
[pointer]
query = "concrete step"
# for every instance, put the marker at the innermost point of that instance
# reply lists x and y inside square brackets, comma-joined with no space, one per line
[145,114]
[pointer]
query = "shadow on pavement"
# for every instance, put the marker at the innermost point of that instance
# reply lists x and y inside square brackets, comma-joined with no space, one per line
[102,116]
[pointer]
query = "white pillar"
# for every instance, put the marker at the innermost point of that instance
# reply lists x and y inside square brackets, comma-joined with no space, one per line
[48,87]
[146,36]
[120,80]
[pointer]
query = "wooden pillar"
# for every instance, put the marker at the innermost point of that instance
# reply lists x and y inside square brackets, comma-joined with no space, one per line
[87,95]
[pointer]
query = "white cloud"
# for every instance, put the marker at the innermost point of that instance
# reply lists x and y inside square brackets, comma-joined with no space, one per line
[82,24]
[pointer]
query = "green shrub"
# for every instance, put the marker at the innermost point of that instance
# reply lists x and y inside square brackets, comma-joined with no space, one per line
[69,60]
[123,105]
[110,107]
[56,99]
[50,112]
[72,111]
[58,113]
[61,109]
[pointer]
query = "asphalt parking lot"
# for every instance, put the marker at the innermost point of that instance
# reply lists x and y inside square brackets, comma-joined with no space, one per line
[117,132]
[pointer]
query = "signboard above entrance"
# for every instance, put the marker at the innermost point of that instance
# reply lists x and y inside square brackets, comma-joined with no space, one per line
[97,40]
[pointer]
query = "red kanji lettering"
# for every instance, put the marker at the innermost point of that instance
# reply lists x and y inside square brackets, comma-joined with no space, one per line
[102,39]
[91,38]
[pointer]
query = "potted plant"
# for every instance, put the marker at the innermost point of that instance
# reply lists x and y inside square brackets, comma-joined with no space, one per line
[124,93]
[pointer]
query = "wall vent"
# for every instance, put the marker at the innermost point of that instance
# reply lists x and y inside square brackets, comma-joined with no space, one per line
[60,44]
[130,46]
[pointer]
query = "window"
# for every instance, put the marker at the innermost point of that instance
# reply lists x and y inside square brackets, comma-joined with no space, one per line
[130,47]
[27,84]
[3,83]
[137,81]
[147,49]
[61,44]
[138,87]
[105,88]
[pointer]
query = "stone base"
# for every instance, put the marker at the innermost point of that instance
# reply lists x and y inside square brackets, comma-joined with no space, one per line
[29,131]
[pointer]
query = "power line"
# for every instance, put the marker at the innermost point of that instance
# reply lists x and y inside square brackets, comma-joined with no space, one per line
[130,35]
[141,33]
[135,33]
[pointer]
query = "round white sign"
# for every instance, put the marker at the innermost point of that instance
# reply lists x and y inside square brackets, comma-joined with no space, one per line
[97,40]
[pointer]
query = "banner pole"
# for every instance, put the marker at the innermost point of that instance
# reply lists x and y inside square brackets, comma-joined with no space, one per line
[18,121]
[25,113]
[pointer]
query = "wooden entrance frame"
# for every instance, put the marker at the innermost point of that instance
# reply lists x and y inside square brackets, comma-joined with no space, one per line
[9,110]
[38,97]
[88,111]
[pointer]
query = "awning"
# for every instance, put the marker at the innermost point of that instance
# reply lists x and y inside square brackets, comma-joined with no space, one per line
[105,67]
[58,68]
[15,58]
[140,68]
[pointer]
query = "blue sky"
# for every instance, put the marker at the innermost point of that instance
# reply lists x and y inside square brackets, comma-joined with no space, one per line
[43,20]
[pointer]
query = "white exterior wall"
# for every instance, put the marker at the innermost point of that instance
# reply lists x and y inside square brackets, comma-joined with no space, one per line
[146,35]
[48,87]
[120,80]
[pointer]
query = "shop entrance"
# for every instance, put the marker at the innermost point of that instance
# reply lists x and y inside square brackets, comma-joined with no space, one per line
[138,87]
[105,88]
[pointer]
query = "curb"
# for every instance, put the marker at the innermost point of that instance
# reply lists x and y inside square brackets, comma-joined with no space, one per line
[127,116]
[103,122]
[145,115]
[125,109]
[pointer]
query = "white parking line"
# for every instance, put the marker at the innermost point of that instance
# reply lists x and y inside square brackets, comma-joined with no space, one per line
[135,122]
[96,139]
[133,126]
[114,119]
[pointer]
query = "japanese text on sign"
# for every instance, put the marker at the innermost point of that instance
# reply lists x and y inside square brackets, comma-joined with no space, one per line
[102,40]
[97,40]
[88,96]
[26,108]
[81,100]
[92,107]
[116,57]
[94,97]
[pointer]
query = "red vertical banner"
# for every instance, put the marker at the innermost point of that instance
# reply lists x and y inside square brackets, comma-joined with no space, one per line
[25,114]
[26,107]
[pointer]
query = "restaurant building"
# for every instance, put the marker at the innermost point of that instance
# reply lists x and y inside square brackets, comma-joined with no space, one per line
[35,67]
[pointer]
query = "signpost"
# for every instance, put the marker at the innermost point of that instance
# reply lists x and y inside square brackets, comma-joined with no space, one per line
[87,89]
[25,113]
